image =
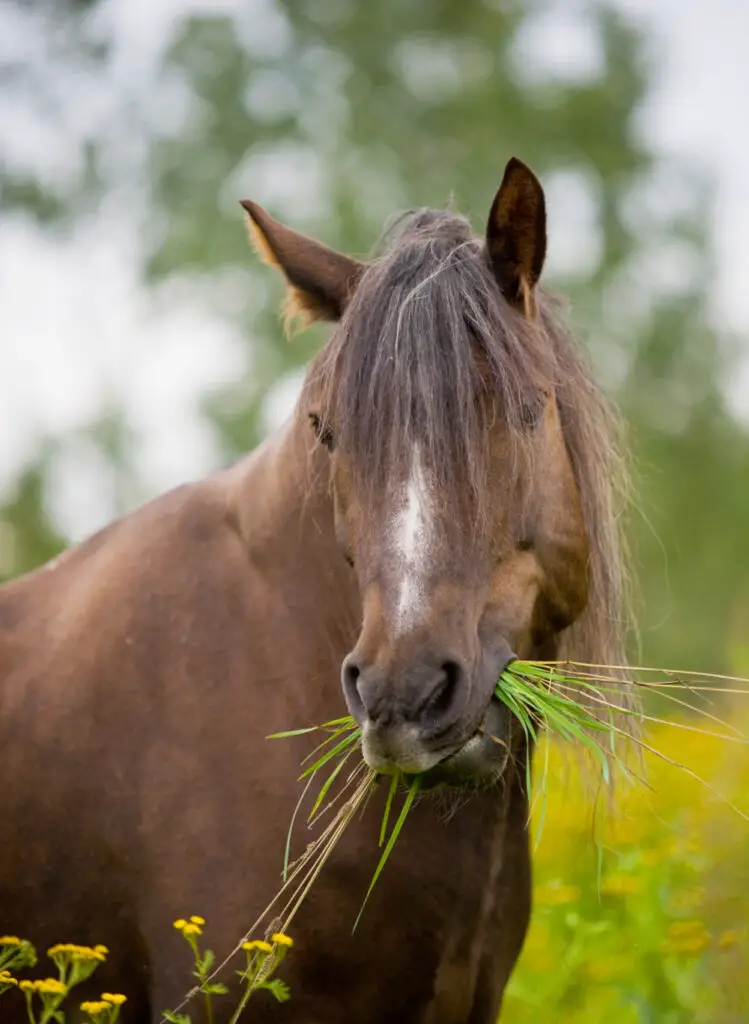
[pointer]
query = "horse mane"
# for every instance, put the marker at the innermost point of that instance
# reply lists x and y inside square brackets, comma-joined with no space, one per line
[594,435]
[426,332]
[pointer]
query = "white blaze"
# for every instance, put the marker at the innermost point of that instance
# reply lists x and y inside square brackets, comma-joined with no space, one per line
[413,539]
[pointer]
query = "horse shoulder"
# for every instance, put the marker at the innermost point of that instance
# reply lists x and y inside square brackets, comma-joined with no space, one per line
[168,579]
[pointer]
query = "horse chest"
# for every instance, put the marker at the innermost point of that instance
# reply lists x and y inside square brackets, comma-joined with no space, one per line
[470,945]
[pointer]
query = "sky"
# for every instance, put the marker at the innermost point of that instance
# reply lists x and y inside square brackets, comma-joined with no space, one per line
[90,335]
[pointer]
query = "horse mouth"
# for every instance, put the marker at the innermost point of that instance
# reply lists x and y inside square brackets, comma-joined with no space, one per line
[481,760]
[478,761]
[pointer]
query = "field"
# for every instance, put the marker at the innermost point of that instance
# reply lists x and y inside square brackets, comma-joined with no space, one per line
[641,913]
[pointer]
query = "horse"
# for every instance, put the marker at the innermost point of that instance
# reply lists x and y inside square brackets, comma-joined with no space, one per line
[444,498]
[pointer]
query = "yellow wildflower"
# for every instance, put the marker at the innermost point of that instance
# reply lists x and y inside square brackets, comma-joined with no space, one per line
[192,929]
[9,940]
[180,923]
[729,938]
[114,998]
[94,1007]
[621,885]
[46,986]
[682,928]
[558,895]
[6,978]
[257,944]
[689,945]
[70,951]
[688,937]
[52,987]
[196,919]
[282,940]
[60,948]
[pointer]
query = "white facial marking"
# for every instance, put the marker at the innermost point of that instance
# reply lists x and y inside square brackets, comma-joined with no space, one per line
[413,540]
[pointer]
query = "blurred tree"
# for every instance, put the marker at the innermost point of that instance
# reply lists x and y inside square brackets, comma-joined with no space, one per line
[42,43]
[335,114]
[27,535]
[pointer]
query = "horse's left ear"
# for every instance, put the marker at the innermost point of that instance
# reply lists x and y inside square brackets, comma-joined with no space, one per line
[321,280]
[516,234]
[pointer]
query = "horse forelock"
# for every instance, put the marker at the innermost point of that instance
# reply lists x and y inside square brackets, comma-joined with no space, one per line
[423,337]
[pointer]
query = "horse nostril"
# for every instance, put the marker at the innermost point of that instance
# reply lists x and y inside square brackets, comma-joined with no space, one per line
[350,674]
[446,692]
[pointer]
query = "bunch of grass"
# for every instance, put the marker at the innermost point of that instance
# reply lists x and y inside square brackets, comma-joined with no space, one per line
[581,705]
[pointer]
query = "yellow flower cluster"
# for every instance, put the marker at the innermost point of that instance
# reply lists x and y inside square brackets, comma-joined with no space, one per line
[76,954]
[257,945]
[115,998]
[107,1002]
[192,927]
[45,987]
[261,946]
[686,937]
[10,940]
[558,894]
[621,885]
[6,978]
[730,938]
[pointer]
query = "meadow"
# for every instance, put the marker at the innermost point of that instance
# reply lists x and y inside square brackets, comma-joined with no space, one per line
[640,911]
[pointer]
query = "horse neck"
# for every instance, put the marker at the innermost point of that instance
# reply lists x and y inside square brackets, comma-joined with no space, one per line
[281,498]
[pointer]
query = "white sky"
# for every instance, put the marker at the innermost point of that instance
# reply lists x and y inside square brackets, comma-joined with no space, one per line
[88,334]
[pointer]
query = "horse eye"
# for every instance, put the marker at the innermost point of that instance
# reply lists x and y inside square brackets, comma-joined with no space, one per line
[323,431]
[530,412]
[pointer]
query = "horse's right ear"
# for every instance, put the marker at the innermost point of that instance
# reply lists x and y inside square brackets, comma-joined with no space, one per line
[516,235]
[321,280]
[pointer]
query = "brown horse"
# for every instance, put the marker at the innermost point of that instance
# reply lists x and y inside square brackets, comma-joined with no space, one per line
[443,498]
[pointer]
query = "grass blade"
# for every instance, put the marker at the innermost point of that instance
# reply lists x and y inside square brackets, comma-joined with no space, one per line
[407,805]
[388,804]
[287,848]
[327,784]
[293,732]
[333,752]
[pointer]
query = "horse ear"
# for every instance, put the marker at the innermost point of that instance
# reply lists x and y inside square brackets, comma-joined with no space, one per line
[516,234]
[321,281]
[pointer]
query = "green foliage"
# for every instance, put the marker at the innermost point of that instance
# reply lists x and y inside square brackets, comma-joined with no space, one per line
[28,536]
